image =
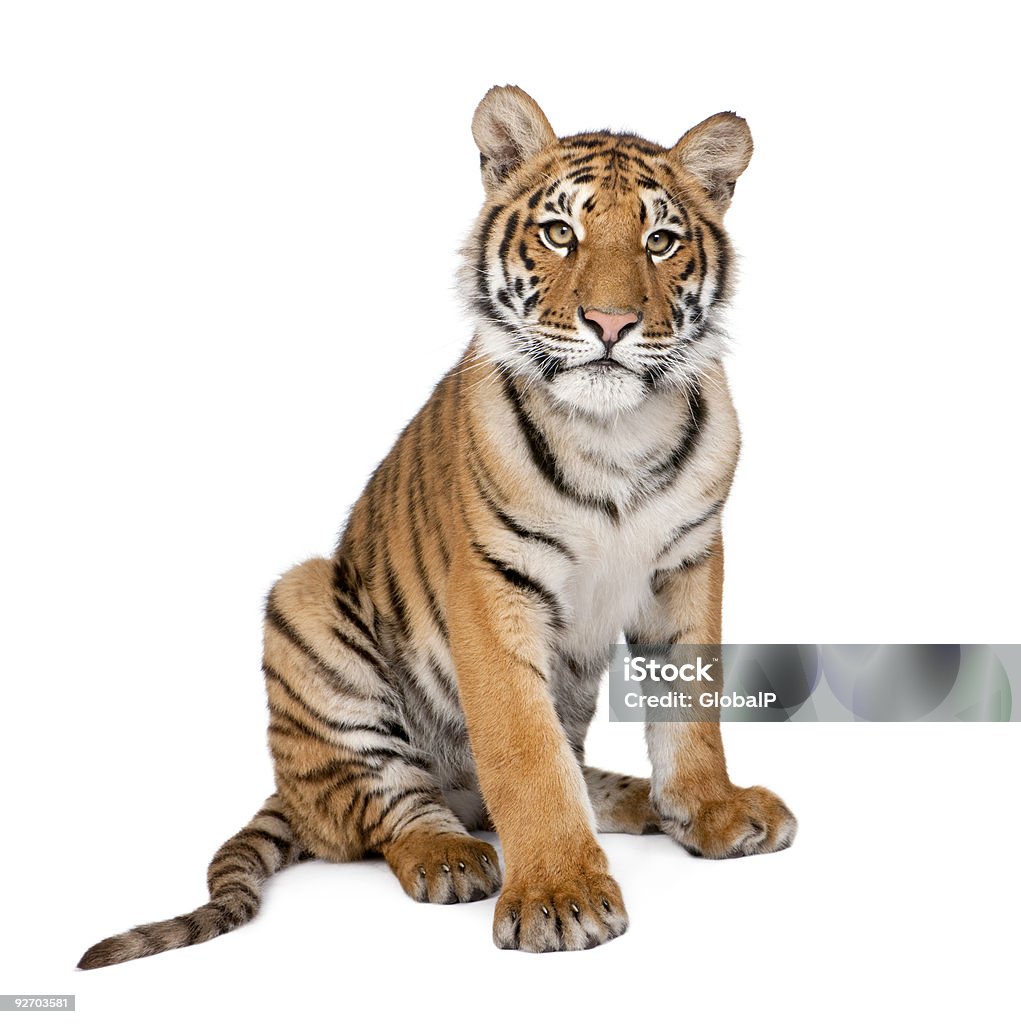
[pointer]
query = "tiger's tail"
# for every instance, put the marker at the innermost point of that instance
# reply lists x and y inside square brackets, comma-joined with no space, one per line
[235,877]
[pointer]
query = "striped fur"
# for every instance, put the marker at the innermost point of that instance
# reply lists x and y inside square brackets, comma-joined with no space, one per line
[235,877]
[439,672]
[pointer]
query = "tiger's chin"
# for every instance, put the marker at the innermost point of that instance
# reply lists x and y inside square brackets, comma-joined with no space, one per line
[599,390]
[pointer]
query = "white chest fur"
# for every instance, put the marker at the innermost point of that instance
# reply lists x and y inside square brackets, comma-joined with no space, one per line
[657,517]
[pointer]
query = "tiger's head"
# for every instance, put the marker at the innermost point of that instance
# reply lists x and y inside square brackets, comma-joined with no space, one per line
[599,263]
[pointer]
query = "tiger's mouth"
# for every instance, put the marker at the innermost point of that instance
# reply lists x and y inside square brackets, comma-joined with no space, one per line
[605,366]
[552,365]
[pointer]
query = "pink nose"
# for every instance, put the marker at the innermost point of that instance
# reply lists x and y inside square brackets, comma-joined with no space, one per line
[611,324]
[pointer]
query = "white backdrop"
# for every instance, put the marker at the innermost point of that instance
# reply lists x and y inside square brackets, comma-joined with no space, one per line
[227,247]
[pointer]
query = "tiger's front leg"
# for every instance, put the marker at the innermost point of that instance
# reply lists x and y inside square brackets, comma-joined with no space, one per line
[557,893]
[691,791]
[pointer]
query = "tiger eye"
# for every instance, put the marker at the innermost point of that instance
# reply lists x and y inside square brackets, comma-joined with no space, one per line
[559,234]
[660,242]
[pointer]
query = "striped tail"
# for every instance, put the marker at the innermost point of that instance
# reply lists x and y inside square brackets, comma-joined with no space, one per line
[235,877]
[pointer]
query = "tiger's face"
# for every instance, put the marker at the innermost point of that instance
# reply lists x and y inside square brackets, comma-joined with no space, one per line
[599,263]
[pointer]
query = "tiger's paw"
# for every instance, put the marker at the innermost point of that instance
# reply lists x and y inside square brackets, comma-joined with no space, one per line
[445,867]
[574,913]
[746,822]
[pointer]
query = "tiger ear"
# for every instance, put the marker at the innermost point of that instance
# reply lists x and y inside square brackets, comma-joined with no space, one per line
[716,152]
[509,128]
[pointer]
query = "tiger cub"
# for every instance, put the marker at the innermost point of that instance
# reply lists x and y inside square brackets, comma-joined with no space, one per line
[563,484]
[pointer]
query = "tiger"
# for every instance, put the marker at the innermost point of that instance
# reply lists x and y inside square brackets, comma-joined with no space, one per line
[563,486]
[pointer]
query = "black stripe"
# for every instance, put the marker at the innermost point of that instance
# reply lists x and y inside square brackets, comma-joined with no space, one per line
[154,941]
[722,257]
[436,533]
[224,920]
[238,885]
[282,626]
[227,869]
[430,595]
[364,653]
[278,726]
[439,673]
[512,524]
[584,141]
[439,620]
[353,615]
[420,808]
[241,847]
[252,831]
[394,802]
[678,315]
[418,707]
[524,583]
[545,460]
[688,527]
[329,769]
[420,812]
[682,451]
[398,605]
[331,723]
[359,816]
[505,242]
[252,857]
[371,494]
[190,922]
[703,262]
[481,278]
[387,754]
[662,577]
[347,580]
[515,527]
[335,787]
[636,142]
[531,666]
[444,474]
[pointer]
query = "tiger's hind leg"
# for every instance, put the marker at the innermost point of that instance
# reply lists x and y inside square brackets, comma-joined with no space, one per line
[620,802]
[352,779]
[443,867]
